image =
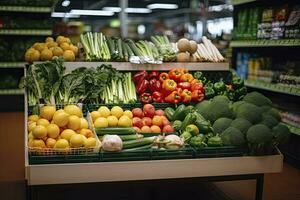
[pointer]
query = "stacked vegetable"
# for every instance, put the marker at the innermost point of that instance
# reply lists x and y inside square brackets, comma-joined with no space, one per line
[52,49]
[164,47]
[176,86]
[60,129]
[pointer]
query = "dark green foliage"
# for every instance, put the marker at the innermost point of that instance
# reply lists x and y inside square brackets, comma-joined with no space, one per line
[233,136]
[257,99]
[221,124]
[241,124]
[250,112]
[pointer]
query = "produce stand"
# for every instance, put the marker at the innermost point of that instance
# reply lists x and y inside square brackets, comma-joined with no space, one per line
[196,166]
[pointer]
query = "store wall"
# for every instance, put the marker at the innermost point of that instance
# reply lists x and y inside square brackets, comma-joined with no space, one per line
[12,147]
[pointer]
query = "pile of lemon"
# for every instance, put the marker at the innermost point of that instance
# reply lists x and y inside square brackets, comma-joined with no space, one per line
[60,129]
[42,51]
[114,117]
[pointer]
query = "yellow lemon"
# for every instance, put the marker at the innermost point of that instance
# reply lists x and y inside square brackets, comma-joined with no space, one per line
[50,142]
[84,123]
[112,121]
[101,122]
[95,115]
[128,113]
[67,134]
[77,140]
[61,144]
[43,122]
[117,111]
[33,118]
[39,131]
[104,111]
[37,143]
[30,136]
[86,132]
[74,122]
[125,121]
[47,112]
[90,142]
[61,119]
[31,126]
[73,110]
[53,131]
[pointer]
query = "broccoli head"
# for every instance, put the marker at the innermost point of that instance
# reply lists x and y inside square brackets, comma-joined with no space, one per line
[259,134]
[265,108]
[257,99]
[269,120]
[221,98]
[241,124]
[221,124]
[203,108]
[275,113]
[250,112]
[236,105]
[233,136]
[281,133]
[217,110]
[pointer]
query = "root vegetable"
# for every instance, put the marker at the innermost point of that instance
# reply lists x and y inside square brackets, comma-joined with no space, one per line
[112,143]
[193,58]
[57,51]
[69,55]
[32,55]
[65,46]
[183,45]
[183,57]
[46,54]
[193,46]
[74,49]
[49,39]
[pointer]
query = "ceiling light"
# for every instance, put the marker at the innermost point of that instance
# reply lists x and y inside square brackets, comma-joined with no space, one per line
[92,12]
[64,15]
[65,3]
[128,10]
[162,6]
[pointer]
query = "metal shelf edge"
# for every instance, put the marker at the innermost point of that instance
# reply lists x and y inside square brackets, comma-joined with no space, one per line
[11,92]
[265,43]
[42,32]
[12,64]
[26,9]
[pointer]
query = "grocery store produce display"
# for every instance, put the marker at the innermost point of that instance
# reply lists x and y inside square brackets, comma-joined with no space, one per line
[50,49]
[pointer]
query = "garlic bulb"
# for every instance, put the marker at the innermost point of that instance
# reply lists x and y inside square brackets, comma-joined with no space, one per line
[112,143]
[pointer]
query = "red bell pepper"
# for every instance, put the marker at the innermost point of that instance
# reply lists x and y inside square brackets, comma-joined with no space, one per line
[146,98]
[184,70]
[186,78]
[154,74]
[157,97]
[169,86]
[163,76]
[142,86]
[142,75]
[184,85]
[174,97]
[155,85]
[198,86]
[186,96]
[175,74]
[197,95]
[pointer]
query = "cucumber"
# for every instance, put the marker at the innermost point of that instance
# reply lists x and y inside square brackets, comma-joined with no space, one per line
[178,114]
[148,146]
[115,131]
[131,137]
[137,143]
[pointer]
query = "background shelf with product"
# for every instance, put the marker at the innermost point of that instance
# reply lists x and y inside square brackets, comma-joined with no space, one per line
[21,25]
[265,45]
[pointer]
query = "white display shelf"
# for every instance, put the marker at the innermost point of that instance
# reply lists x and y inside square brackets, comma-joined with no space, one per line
[30,9]
[41,32]
[151,170]
[127,66]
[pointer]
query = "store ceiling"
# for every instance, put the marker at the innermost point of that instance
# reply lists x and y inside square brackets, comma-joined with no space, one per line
[184,7]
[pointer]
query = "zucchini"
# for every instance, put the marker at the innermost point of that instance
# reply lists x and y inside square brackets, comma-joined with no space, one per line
[189,119]
[139,142]
[178,114]
[148,146]
[131,137]
[115,131]
[169,112]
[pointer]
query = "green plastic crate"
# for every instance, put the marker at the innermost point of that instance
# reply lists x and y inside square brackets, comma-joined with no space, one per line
[224,151]
[125,155]
[167,154]
[60,159]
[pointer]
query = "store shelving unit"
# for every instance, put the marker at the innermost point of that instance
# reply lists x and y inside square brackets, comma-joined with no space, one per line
[224,168]
[272,87]
[265,47]
[39,32]
[12,64]
[29,9]
[11,91]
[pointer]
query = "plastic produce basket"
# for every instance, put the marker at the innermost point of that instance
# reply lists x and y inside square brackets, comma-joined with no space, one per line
[34,151]
[164,154]
[224,151]
[137,155]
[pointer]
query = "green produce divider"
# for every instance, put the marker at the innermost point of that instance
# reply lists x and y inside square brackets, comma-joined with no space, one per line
[139,155]
[92,107]
[35,109]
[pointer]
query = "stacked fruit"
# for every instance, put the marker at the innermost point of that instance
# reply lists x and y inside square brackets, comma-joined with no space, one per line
[176,86]
[150,120]
[59,129]
[114,117]
[51,49]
